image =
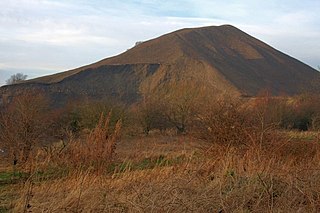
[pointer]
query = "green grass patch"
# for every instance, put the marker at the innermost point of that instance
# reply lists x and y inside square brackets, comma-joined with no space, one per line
[3,210]
[8,194]
[11,177]
[5,176]
[147,163]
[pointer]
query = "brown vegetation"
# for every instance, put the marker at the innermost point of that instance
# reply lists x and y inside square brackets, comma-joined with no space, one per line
[95,151]
[186,146]
[234,156]
[22,125]
[228,179]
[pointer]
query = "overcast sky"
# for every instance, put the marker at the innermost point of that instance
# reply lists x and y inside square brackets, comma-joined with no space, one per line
[39,37]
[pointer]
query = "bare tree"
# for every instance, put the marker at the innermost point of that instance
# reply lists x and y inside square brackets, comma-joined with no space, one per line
[151,115]
[16,78]
[179,103]
[22,125]
[221,120]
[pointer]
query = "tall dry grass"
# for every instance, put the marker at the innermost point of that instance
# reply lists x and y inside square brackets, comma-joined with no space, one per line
[260,171]
[283,178]
[95,151]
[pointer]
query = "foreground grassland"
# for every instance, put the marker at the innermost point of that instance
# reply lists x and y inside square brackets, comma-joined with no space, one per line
[175,151]
[175,174]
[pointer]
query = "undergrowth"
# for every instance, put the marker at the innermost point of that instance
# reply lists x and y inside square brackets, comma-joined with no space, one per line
[266,172]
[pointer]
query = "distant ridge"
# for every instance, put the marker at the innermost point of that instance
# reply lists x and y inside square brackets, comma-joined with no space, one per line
[222,58]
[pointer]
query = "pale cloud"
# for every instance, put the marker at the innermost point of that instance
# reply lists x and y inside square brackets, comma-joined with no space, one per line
[66,37]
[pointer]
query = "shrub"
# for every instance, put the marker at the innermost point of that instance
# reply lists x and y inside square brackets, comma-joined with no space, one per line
[77,117]
[302,113]
[172,106]
[23,124]
[222,122]
[16,78]
[150,113]
[96,150]
[230,121]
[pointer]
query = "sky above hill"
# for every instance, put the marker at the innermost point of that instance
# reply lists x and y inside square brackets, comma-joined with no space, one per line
[40,37]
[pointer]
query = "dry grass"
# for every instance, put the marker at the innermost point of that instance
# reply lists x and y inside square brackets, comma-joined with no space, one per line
[303,135]
[278,178]
[94,151]
[271,172]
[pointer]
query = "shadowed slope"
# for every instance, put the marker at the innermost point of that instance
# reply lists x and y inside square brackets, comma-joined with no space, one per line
[223,59]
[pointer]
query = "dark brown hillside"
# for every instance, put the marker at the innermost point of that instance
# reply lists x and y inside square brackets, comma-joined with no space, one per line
[247,63]
[119,82]
[222,58]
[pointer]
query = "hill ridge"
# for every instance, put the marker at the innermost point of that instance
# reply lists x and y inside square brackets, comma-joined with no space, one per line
[222,57]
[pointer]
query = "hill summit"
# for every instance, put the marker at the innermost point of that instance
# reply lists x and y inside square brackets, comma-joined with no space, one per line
[221,58]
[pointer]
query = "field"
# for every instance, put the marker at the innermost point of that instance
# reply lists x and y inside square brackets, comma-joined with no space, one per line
[172,173]
[173,153]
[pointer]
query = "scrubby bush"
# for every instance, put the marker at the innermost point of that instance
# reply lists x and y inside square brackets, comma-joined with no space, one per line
[180,104]
[302,113]
[222,121]
[172,106]
[232,121]
[150,115]
[77,117]
[16,78]
[95,150]
[24,122]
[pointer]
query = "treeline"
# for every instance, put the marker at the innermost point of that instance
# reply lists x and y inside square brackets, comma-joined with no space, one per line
[28,121]
[188,109]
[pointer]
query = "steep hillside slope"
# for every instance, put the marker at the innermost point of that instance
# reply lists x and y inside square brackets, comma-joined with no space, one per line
[222,58]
